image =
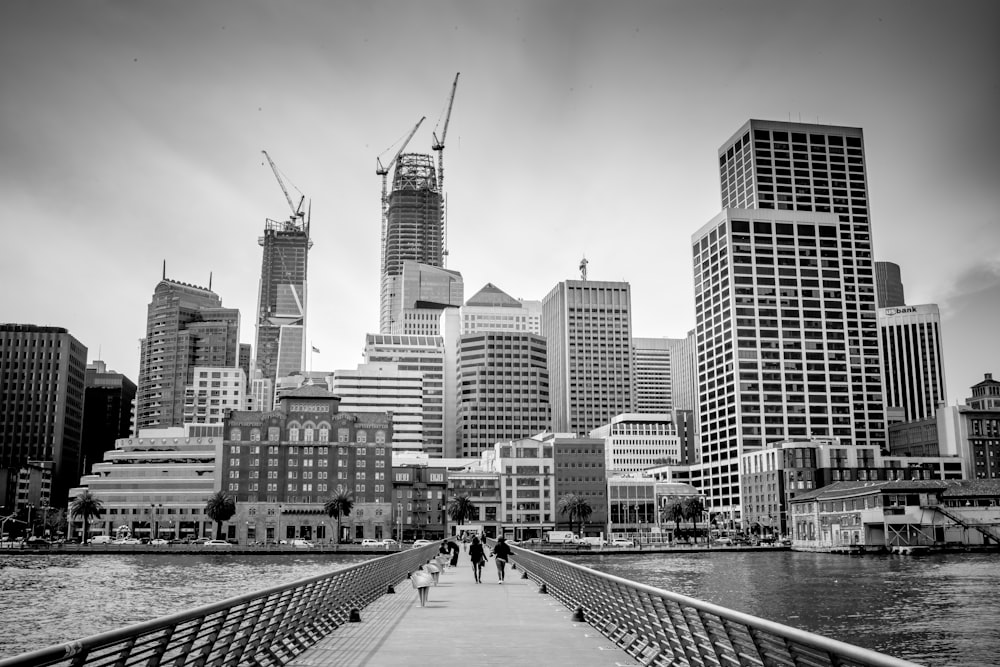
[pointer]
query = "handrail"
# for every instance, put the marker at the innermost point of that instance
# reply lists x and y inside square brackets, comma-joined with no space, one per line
[265,628]
[658,627]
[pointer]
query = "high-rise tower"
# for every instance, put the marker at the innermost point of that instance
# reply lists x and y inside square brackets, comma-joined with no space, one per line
[281,308]
[414,230]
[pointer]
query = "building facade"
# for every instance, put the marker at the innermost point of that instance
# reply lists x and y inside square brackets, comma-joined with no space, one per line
[912,360]
[384,387]
[491,309]
[425,291]
[42,387]
[889,285]
[420,501]
[107,414]
[652,374]
[186,327]
[213,394]
[588,327]
[579,465]
[636,442]
[527,486]
[821,169]
[502,389]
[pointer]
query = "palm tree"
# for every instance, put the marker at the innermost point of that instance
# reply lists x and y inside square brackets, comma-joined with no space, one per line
[339,505]
[693,509]
[461,508]
[576,507]
[674,512]
[220,507]
[87,506]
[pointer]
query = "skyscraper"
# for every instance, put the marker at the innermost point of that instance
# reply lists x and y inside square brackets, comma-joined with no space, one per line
[186,326]
[414,230]
[281,306]
[588,325]
[913,368]
[42,384]
[888,285]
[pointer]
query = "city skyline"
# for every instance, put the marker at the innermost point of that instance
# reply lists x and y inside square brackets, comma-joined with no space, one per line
[133,136]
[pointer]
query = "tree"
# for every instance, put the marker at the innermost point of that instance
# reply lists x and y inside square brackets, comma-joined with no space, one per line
[577,508]
[461,508]
[220,507]
[87,507]
[338,506]
[674,512]
[693,509]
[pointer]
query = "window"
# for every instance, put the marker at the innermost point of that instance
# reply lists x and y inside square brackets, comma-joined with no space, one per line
[343,435]
[293,435]
[362,436]
[255,435]
[235,434]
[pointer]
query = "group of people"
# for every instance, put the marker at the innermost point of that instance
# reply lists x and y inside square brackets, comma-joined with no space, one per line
[477,553]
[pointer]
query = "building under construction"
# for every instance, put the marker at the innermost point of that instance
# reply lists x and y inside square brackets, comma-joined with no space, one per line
[414,229]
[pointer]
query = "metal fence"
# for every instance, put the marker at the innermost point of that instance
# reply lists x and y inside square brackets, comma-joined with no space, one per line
[266,628]
[658,627]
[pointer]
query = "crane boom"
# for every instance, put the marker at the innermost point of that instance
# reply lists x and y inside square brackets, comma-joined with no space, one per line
[383,171]
[438,145]
[296,211]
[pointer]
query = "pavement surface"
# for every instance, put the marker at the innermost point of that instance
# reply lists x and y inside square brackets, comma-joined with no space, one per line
[466,624]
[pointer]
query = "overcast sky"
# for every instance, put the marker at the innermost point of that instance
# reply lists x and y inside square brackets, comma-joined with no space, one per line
[131,133]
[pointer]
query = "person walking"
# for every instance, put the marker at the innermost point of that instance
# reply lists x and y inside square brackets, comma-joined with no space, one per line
[501,553]
[455,551]
[478,556]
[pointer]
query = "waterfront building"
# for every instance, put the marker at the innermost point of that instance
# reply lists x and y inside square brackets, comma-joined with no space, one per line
[482,486]
[632,507]
[107,413]
[897,515]
[588,326]
[491,309]
[419,496]
[635,442]
[424,355]
[186,327]
[213,393]
[281,467]
[503,389]
[579,465]
[42,387]
[280,347]
[771,478]
[912,360]
[888,285]
[155,484]
[414,231]
[384,387]
[527,486]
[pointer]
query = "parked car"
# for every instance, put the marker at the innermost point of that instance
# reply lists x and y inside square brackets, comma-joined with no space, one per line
[303,544]
[100,539]
[216,543]
[371,543]
[199,540]
[390,543]
[159,542]
[621,542]
[127,541]
[724,541]
[420,543]
[37,543]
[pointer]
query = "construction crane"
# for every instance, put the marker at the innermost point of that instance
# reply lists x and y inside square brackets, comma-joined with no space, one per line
[297,213]
[438,144]
[383,171]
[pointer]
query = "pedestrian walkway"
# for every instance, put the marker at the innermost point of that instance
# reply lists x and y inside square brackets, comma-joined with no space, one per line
[465,623]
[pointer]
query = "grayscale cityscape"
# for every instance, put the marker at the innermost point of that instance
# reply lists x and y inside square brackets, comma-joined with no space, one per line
[657,327]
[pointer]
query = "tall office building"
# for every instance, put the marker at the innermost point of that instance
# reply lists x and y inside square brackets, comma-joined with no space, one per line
[281,307]
[588,326]
[424,355]
[772,318]
[913,368]
[424,292]
[652,375]
[186,326]
[503,389]
[414,230]
[42,385]
[492,309]
[107,414]
[817,168]
[888,285]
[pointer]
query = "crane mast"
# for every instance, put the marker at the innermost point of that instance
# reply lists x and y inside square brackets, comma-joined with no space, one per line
[438,146]
[383,171]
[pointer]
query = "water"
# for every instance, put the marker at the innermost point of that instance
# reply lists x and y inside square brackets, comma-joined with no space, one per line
[935,610]
[47,600]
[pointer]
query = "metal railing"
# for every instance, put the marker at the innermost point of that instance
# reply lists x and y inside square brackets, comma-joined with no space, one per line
[266,628]
[658,627]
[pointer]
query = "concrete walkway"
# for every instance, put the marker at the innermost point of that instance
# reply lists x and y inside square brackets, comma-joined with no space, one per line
[466,624]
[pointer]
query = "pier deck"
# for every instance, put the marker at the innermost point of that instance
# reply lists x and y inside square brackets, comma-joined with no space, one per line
[465,623]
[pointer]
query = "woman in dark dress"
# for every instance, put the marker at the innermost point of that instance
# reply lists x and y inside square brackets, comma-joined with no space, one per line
[478,556]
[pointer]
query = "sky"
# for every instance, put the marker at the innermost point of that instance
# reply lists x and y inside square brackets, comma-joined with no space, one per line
[131,135]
